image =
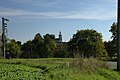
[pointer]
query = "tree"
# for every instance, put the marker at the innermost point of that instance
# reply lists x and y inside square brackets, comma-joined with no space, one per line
[87,43]
[72,47]
[34,48]
[49,45]
[113,30]
[61,51]
[19,43]
[27,50]
[111,46]
[38,46]
[111,49]
[13,48]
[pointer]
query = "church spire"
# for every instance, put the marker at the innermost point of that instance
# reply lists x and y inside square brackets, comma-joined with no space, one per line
[60,37]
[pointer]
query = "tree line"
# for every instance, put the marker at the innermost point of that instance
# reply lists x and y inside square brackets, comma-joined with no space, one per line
[85,43]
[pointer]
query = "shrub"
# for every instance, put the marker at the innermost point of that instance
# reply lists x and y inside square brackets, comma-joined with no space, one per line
[87,65]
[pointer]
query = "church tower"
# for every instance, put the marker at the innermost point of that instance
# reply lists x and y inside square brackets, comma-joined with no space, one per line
[60,37]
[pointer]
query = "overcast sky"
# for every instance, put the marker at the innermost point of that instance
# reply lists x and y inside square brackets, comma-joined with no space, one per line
[29,17]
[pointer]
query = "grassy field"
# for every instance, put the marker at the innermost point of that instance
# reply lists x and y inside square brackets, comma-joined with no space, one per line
[55,69]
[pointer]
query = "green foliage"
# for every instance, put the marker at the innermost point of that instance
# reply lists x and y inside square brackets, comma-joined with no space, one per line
[27,49]
[108,74]
[19,72]
[32,70]
[61,51]
[111,46]
[113,30]
[87,43]
[49,45]
[34,48]
[37,48]
[54,69]
[14,49]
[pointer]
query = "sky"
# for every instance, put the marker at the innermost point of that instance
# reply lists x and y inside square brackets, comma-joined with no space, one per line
[29,17]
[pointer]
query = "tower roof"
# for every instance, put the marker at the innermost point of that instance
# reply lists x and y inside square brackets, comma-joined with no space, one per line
[60,33]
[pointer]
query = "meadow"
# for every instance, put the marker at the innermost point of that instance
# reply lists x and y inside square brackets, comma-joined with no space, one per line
[55,69]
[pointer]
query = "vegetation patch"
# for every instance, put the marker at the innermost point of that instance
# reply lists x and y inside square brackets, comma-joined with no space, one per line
[57,69]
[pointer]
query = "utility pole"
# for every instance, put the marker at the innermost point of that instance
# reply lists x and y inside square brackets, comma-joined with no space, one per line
[3,36]
[118,36]
[4,25]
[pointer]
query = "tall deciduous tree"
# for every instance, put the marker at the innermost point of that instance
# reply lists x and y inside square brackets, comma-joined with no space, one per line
[33,48]
[49,45]
[87,43]
[38,46]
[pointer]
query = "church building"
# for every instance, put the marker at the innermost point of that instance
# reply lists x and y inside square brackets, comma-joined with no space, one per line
[59,39]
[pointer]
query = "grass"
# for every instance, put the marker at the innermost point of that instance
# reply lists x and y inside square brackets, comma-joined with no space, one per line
[55,69]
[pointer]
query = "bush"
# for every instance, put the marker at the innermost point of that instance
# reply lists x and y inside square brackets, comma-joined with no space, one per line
[87,65]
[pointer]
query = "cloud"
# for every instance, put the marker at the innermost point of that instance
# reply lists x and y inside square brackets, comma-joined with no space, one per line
[90,13]
[38,3]
[11,12]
